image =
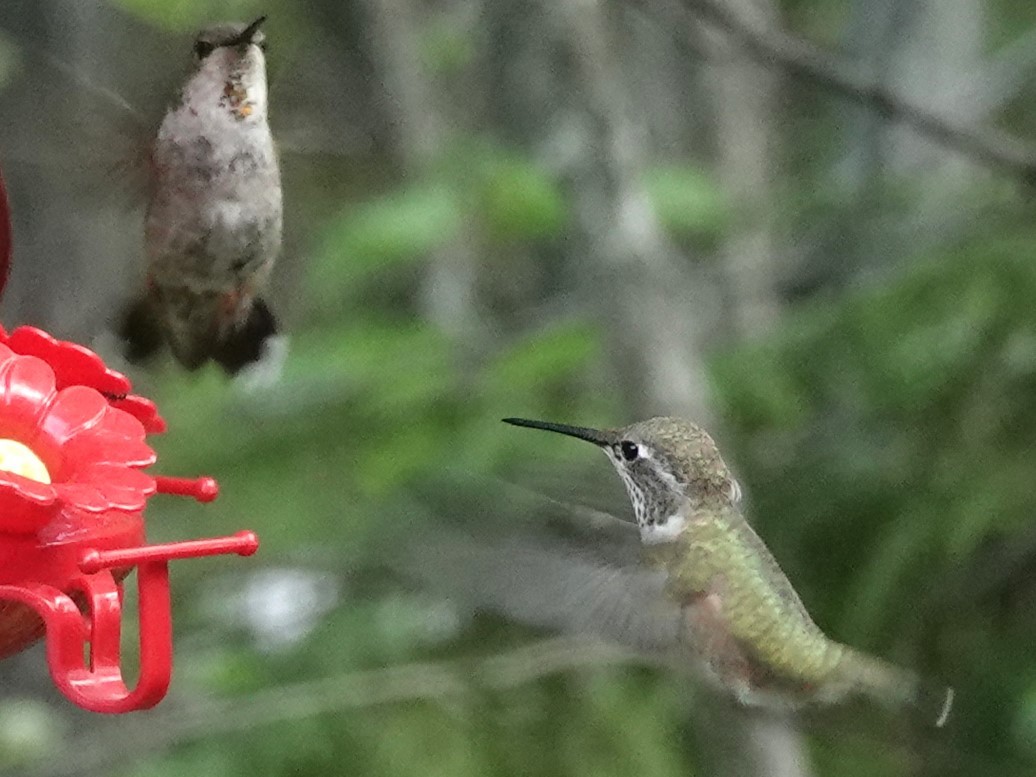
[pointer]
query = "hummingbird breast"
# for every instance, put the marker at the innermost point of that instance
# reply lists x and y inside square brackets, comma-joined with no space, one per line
[742,616]
[215,213]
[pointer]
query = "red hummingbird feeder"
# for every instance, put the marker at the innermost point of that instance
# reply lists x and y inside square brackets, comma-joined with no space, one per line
[72,499]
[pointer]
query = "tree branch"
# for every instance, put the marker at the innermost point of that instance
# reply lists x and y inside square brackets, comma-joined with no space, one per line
[808,62]
[102,749]
[1006,73]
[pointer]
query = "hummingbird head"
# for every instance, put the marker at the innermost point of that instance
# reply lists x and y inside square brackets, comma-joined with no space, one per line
[664,464]
[230,71]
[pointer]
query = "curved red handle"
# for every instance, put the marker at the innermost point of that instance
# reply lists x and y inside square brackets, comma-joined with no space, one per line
[100,687]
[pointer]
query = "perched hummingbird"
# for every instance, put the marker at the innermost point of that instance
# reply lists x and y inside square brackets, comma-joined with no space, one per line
[705,584]
[213,219]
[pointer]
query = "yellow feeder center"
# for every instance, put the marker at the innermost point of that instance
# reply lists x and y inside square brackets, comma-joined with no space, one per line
[18,458]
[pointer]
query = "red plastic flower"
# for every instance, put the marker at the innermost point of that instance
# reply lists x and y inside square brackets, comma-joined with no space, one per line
[64,450]
[76,365]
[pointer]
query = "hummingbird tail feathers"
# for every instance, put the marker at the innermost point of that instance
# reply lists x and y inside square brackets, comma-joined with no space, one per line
[890,685]
[144,333]
[140,330]
[243,344]
[936,700]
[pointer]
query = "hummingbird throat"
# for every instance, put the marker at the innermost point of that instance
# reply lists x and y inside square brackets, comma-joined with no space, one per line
[235,98]
[657,501]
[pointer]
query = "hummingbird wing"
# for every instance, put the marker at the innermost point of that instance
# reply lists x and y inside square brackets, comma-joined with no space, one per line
[540,561]
[580,485]
[493,508]
[98,137]
[609,539]
[551,586]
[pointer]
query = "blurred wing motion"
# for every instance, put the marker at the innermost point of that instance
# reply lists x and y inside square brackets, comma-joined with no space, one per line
[542,585]
[98,139]
[538,561]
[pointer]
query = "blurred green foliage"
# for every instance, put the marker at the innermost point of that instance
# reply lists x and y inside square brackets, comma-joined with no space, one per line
[687,201]
[189,15]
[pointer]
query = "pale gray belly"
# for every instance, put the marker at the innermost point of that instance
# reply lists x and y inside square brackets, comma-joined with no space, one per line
[208,222]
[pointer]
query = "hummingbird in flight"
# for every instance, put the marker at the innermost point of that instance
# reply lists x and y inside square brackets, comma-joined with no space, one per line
[214,213]
[699,584]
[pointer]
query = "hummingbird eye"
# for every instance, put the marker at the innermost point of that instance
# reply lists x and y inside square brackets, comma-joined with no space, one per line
[629,450]
[202,48]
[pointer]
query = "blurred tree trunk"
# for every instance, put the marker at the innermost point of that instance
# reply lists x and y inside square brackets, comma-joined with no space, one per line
[744,103]
[872,37]
[642,288]
[939,51]
[418,135]
[928,53]
[661,86]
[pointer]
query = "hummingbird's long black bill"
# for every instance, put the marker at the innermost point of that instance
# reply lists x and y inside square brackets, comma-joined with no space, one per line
[595,436]
[248,32]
